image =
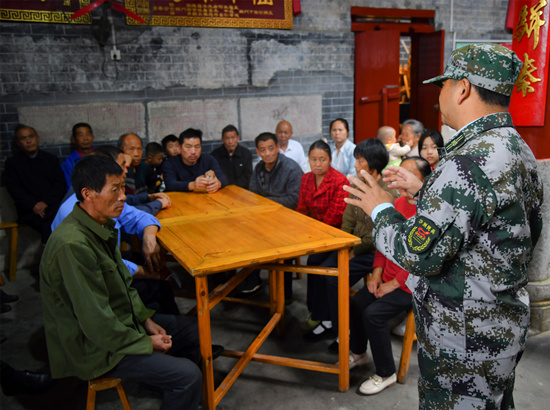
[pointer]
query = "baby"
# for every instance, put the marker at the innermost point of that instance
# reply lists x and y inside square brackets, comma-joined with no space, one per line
[387,136]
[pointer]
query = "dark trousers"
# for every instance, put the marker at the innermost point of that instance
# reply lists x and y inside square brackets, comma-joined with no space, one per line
[179,378]
[322,291]
[157,295]
[42,225]
[369,322]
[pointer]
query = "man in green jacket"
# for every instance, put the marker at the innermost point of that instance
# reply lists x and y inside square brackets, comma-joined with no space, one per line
[95,323]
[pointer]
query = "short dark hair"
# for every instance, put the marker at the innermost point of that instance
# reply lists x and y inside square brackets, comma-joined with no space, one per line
[108,151]
[265,136]
[435,135]
[167,139]
[190,133]
[230,128]
[374,152]
[343,121]
[491,97]
[322,145]
[153,148]
[422,165]
[20,127]
[81,124]
[121,139]
[91,172]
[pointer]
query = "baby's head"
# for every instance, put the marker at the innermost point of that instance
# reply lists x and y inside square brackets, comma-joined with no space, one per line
[386,135]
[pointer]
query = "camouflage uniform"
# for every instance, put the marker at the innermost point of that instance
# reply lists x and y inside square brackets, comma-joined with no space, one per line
[478,220]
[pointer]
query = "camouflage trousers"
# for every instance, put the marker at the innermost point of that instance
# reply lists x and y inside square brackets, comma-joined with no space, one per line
[445,383]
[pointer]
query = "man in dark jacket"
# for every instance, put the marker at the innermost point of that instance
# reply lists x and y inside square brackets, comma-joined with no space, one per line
[235,160]
[275,177]
[35,181]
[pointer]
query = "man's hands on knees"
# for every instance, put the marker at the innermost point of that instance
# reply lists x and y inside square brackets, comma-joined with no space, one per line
[40,209]
[369,194]
[161,341]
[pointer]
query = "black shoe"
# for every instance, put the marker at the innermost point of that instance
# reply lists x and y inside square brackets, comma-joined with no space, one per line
[26,382]
[333,347]
[217,350]
[5,298]
[250,287]
[4,308]
[327,333]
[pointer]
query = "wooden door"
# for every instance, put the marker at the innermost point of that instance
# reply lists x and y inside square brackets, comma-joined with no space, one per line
[427,55]
[376,82]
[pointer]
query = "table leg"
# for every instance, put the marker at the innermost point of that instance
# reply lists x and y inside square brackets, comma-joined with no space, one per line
[343,317]
[280,300]
[205,339]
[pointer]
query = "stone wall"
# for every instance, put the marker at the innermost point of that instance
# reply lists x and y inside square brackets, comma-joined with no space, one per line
[44,64]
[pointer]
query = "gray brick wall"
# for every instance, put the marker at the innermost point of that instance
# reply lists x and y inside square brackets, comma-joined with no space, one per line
[57,63]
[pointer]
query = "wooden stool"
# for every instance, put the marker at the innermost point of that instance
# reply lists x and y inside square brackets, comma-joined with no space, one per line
[408,339]
[14,227]
[104,383]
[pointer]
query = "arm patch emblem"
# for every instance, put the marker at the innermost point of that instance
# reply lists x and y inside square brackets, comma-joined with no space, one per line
[422,235]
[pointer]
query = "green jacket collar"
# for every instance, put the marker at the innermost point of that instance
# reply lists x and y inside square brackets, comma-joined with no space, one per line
[498,120]
[104,232]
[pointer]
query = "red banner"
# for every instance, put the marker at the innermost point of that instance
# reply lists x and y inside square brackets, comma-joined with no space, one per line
[530,42]
[270,14]
[43,11]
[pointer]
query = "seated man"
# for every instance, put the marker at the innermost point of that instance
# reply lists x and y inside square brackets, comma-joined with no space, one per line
[235,160]
[95,323]
[290,148]
[83,138]
[192,171]
[155,294]
[139,174]
[322,291]
[278,178]
[35,181]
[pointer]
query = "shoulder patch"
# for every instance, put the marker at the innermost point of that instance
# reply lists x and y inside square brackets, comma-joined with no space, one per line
[422,235]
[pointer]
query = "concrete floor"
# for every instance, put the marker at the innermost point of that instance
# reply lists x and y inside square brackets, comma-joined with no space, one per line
[261,386]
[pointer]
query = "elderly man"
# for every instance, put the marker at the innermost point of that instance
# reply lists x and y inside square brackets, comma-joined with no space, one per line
[410,135]
[469,245]
[138,172]
[35,181]
[192,171]
[290,148]
[235,160]
[95,323]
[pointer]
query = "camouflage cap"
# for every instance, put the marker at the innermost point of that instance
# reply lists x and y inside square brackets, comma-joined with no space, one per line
[490,66]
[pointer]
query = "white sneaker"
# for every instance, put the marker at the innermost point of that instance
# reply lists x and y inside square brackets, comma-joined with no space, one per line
[375,384]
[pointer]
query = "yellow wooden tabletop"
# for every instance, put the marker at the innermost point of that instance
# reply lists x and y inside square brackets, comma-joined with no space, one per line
[234,228]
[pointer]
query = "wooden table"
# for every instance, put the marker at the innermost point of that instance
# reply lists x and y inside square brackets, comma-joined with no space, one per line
[234,228]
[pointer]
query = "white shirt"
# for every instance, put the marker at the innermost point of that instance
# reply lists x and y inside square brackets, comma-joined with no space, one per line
[295,151]
[344,160]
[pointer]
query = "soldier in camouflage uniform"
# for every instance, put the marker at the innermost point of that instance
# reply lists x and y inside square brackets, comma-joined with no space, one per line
[478,220]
